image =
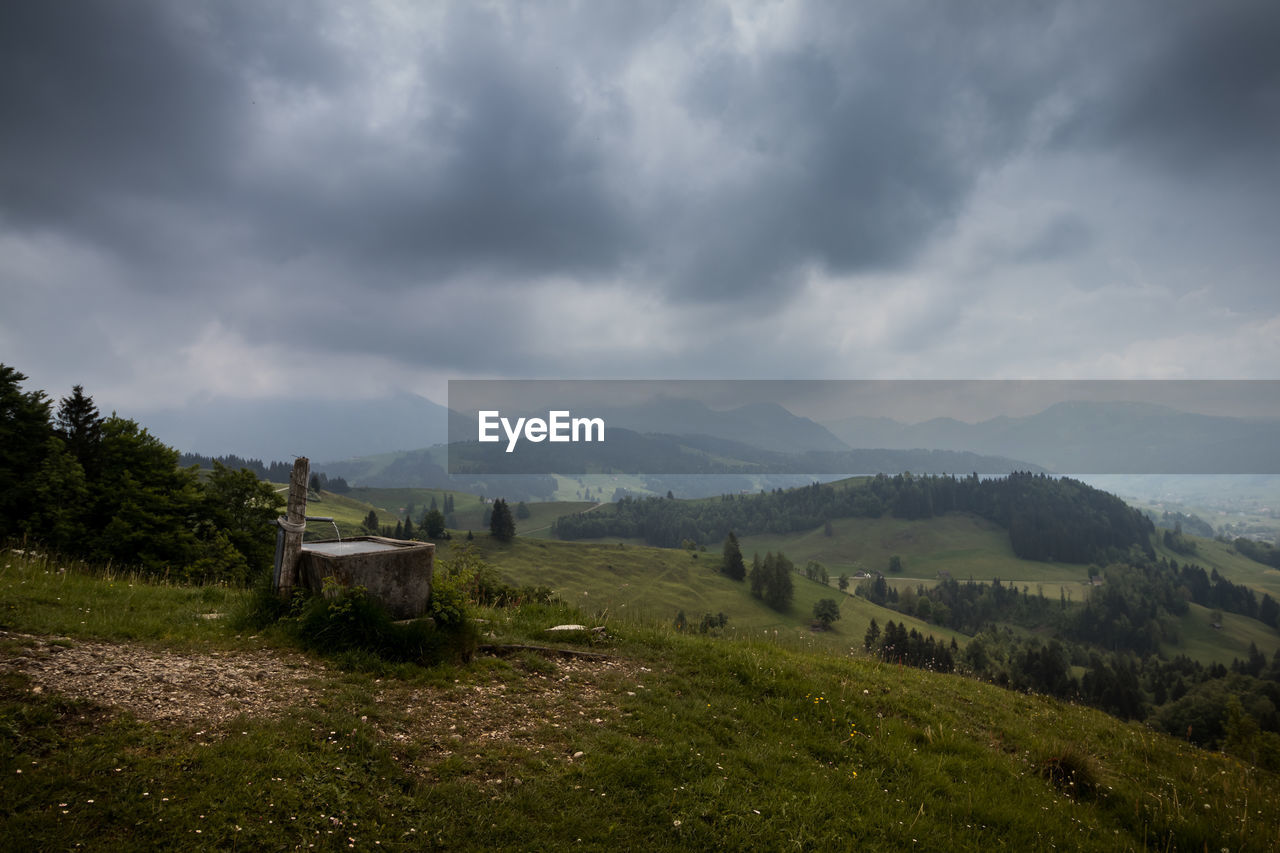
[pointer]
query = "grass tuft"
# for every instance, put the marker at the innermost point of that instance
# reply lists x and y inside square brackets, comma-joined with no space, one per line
[1072,771]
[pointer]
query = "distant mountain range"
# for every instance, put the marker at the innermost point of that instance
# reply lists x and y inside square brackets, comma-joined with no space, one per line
[1092,438]
[767,426]
[323,430]
[682,436]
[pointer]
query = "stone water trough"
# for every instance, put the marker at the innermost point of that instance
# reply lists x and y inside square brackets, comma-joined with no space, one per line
[394,572]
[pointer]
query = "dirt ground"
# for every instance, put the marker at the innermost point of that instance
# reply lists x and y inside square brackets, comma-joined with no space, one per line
[531,706]
[163,685]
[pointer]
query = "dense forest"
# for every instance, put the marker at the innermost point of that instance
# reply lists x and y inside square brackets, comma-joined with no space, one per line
[1135,608]
[104,489]
[1047,518]
[276,472]
[1115,638]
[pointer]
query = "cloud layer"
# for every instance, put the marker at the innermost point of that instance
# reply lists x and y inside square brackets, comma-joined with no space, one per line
[248,199]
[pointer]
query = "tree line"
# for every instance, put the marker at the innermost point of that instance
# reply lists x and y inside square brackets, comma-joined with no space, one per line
[1117,637]
[104,489]
[1136,608]
[1047,518]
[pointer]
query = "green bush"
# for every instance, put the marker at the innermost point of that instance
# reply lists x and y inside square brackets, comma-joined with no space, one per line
[349,623]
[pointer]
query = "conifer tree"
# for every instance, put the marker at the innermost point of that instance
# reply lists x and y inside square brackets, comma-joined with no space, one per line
[779,588]
[733,565]
[79,426]
[501,525]
[757,576]
[872,639]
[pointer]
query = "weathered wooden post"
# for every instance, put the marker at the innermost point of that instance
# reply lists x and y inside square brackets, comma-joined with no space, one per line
[292,527]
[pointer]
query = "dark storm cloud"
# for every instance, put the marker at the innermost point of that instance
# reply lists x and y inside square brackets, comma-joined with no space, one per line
[865,139]
[135,99]
[1193,85]
[504,177]
[441,185]
[860,145]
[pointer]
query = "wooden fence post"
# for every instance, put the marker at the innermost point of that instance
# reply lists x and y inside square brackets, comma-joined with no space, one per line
[293,525]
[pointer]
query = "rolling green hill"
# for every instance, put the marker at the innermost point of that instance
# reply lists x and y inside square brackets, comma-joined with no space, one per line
[660,583]
[664,741]
[959,543]
[1212,554]
[657,583]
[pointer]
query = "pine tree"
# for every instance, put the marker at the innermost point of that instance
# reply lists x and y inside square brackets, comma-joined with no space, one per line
[756,576]
[733,565]
[79,426]
[872,639]
[408,527]
[371,522]
[501,525]
[779,589]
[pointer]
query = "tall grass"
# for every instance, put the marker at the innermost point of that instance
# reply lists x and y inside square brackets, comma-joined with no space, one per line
[43,594]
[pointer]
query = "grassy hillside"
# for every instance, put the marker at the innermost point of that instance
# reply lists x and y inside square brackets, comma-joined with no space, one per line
[661,582]
[670,742]
[656,583]
[1200,641]
[468,508]
[542,515]
[347,511]
[960,543]
[1231,564]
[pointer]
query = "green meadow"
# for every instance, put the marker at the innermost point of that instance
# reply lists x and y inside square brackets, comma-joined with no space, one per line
[961,544]
[649,739]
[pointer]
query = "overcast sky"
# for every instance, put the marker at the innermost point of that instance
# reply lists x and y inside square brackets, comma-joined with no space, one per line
[255,199]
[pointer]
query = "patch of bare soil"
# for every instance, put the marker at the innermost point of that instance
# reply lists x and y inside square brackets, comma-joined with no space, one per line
[532,709]
[155,684]
[534,712]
